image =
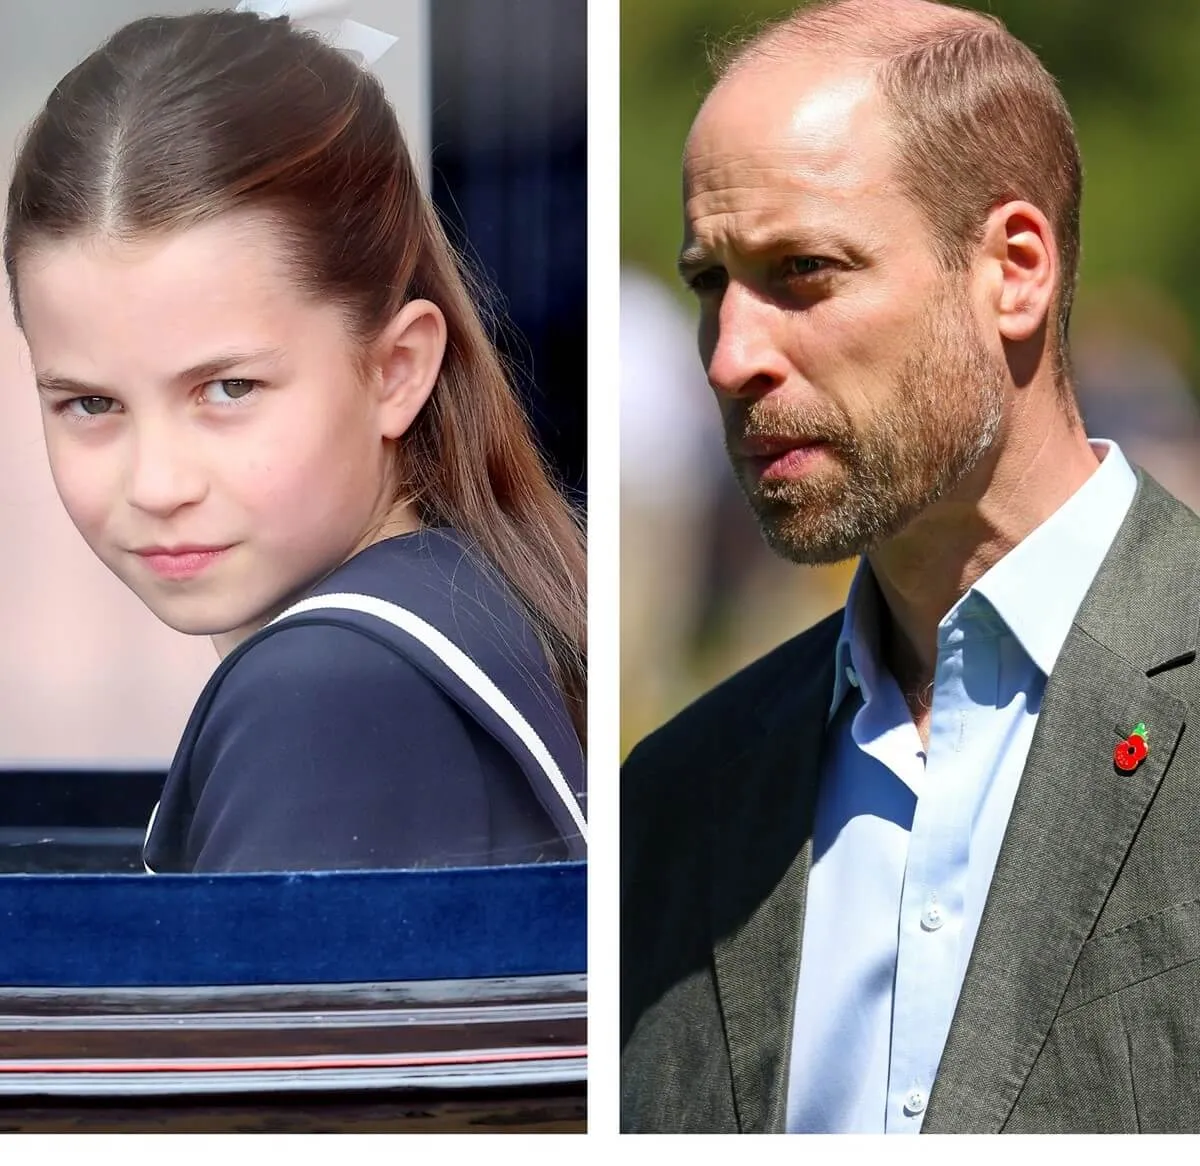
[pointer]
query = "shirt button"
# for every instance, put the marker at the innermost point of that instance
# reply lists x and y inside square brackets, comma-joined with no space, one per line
[851,675]
[914,1102]
[932,917]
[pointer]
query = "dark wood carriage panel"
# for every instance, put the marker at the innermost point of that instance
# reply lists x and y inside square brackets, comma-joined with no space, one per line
[481,1054]
[349,1021]
[549,1109]
[282,998]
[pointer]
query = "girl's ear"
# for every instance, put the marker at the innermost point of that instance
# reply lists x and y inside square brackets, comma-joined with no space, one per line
[410,352]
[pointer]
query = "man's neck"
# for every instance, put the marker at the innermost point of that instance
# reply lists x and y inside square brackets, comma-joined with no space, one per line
[924,570]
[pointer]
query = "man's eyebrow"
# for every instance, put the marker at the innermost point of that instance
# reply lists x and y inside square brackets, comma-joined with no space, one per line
[691,259]
[797,240]
[51,383]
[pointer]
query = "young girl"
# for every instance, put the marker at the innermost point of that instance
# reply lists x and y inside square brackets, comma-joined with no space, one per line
[272,411]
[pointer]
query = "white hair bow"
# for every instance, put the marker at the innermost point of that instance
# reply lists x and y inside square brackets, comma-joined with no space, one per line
[326,18]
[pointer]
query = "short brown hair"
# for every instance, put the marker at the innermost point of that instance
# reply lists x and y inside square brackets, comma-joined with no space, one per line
[176,120]
[977,120]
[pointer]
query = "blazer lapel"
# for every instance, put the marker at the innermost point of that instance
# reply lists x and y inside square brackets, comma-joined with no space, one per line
[761,851]
[1075,814]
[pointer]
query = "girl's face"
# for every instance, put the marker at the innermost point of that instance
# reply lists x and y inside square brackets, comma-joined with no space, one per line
[208,428]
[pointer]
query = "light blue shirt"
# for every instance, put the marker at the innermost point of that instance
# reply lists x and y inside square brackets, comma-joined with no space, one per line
[904,844]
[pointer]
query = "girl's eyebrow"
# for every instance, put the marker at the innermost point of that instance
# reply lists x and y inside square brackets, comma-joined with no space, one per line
[51,383]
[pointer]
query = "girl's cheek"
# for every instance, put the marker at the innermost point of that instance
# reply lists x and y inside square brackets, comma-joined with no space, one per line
[85,484]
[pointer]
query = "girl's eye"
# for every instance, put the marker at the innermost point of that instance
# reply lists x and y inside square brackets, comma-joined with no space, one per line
[89,406]
[220,392]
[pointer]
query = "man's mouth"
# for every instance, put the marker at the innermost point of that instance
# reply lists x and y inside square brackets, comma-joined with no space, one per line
[781,458]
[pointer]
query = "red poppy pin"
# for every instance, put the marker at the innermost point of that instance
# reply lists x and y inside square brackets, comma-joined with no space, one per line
[1131,752]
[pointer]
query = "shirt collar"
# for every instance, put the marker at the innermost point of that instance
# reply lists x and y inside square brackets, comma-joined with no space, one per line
[855,655]
[1036,588]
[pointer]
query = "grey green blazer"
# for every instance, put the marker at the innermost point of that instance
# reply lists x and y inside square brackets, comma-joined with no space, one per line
[1080,1010]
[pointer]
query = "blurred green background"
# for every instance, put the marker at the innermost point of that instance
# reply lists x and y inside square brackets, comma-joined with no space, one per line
[1131,76]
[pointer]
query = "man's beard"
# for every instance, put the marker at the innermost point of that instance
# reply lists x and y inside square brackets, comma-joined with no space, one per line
[942,416]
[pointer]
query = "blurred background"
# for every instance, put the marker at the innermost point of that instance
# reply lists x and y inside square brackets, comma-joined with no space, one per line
[491,94]
[700,594]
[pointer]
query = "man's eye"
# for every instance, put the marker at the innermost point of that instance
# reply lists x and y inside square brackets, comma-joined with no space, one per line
[798,266]
[89,406]
[709,279]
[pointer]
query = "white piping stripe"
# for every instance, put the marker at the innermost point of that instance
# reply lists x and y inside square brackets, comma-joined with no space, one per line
[149,827]
[467,670]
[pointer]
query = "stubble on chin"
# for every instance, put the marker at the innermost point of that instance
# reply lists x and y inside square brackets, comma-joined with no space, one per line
[941,416]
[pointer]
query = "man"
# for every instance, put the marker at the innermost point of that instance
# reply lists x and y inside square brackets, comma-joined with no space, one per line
[931,865]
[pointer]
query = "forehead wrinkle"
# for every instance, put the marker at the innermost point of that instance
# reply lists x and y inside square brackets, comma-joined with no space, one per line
[830,170]
[735,188]
[765,218]
[782,174]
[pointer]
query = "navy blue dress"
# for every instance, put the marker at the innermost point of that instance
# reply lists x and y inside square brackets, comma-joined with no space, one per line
[331,740]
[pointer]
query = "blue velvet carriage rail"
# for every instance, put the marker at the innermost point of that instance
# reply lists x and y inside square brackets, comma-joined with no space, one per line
[318,928]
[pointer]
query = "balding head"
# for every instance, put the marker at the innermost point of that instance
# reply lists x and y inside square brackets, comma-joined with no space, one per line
[974,118]
[872,30]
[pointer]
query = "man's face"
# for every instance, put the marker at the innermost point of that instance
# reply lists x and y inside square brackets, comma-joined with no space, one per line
[850,367]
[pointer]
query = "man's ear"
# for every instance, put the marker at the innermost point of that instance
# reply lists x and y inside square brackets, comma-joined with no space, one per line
[1021,260]
[409,352]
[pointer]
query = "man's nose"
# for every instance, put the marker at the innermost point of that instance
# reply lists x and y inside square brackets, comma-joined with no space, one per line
[164,474]
[739,341]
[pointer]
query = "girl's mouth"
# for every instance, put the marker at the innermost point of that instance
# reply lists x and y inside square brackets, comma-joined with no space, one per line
[183,562]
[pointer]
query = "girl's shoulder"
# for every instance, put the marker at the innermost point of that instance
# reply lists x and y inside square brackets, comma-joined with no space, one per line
[325,749]
[436,576]
[436,573]
[412,647]
[424,596]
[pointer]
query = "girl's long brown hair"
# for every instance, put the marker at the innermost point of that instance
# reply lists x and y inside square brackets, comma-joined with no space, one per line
[176,120]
